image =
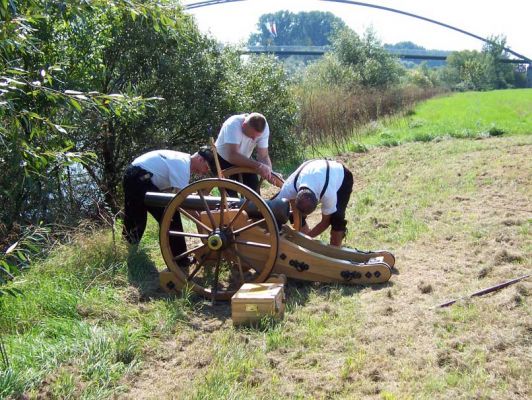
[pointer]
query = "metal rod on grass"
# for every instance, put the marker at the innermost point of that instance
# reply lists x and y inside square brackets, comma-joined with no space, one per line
[485,291]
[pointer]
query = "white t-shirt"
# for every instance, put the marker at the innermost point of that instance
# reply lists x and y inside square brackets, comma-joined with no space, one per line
[169,168]
[231,133]
[313,176]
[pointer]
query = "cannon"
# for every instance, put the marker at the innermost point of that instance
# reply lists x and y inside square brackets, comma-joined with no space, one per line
[234,236]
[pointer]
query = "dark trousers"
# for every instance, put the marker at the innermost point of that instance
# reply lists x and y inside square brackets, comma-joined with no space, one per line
[136,183]
[250,180]
[338,221]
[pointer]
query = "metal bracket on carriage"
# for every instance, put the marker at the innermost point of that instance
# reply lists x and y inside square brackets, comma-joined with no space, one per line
[299,265]
[348,275]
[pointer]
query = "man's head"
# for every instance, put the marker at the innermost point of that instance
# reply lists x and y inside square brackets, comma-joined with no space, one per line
[202,161]
[253,125]
[306,201]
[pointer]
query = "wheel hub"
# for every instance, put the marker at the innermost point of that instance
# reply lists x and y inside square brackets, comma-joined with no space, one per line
[218,240]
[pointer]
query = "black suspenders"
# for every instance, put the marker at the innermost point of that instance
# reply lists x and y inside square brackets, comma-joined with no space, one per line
[326,177]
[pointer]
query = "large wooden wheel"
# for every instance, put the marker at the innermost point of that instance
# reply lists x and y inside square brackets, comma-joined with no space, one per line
[236,174]
[219,231]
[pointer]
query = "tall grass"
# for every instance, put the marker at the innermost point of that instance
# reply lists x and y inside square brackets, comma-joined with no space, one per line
[79,326]
[329,115]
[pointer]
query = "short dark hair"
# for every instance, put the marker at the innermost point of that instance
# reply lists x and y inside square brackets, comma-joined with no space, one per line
[306,201]
[208,155]
[256,121]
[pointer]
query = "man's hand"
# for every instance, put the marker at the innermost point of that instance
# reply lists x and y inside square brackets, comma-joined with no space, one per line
[265,171]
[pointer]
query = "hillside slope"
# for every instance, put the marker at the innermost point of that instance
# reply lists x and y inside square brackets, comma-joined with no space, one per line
[457,214]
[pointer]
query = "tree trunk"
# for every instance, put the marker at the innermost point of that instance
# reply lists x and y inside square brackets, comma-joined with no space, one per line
[110,176]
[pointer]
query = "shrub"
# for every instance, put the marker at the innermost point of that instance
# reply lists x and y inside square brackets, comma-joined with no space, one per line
[357,147]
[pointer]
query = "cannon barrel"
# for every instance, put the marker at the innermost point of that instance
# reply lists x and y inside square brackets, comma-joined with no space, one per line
[279,207]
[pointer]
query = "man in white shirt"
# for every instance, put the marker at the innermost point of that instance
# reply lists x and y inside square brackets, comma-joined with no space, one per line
[237,139]
[157,171]
[328,182]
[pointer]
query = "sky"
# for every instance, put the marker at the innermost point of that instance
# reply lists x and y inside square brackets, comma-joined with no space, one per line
[234,22]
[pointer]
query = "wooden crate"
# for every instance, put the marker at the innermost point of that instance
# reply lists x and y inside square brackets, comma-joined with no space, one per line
[254,301]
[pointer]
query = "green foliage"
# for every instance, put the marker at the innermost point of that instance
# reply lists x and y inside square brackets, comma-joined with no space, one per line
[159,56]
[79,326]
[357,147]
[423,76]
[370,63]
[312,28]
[88,86]
[39,108]
[473,70]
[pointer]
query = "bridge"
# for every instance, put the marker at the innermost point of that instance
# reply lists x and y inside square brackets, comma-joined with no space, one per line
[520,58]
[320,50]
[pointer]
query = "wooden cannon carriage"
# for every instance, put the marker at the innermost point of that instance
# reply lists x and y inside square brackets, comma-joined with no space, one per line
[234,237]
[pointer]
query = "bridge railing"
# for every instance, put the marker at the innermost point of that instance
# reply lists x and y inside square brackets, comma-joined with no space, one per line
[407,54]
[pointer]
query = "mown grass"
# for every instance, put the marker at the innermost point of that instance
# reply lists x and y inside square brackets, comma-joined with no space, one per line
[84,319]
[348,342]
[459,115]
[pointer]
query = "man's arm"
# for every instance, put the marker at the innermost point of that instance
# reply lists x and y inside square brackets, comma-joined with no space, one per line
[236,158]
[321,226]
[264,157]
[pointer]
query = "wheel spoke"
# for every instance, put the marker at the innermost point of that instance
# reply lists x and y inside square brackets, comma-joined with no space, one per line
[239,263]
[207,209]
[186,253]
[253,244]
[242,257]
[214,290]
[223,204]
[245,228]
[187,234]
[194,219]
[198,267]
[246,201]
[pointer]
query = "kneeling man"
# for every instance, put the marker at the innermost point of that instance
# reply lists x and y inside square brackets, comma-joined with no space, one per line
[328,182]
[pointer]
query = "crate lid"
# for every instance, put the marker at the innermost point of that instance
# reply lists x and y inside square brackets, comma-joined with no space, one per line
[258,291]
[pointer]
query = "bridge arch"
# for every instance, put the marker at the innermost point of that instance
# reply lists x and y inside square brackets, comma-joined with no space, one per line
[206,3]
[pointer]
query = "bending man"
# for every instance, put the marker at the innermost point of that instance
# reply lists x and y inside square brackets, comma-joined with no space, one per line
[238,137]
[328,182]
[158,171]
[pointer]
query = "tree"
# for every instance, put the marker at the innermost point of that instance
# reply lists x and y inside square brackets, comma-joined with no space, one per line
[312,28]
[87,86]
[34,144]
[473,70]
[498,74]
[145,57]
[359,61]
[72,76]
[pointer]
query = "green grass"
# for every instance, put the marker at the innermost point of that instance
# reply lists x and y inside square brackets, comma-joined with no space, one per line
[91,315]
[79,324]
[459,115]
[469,115]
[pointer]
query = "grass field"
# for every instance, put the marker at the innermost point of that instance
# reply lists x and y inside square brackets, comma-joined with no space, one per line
[92,323]
[459,115]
